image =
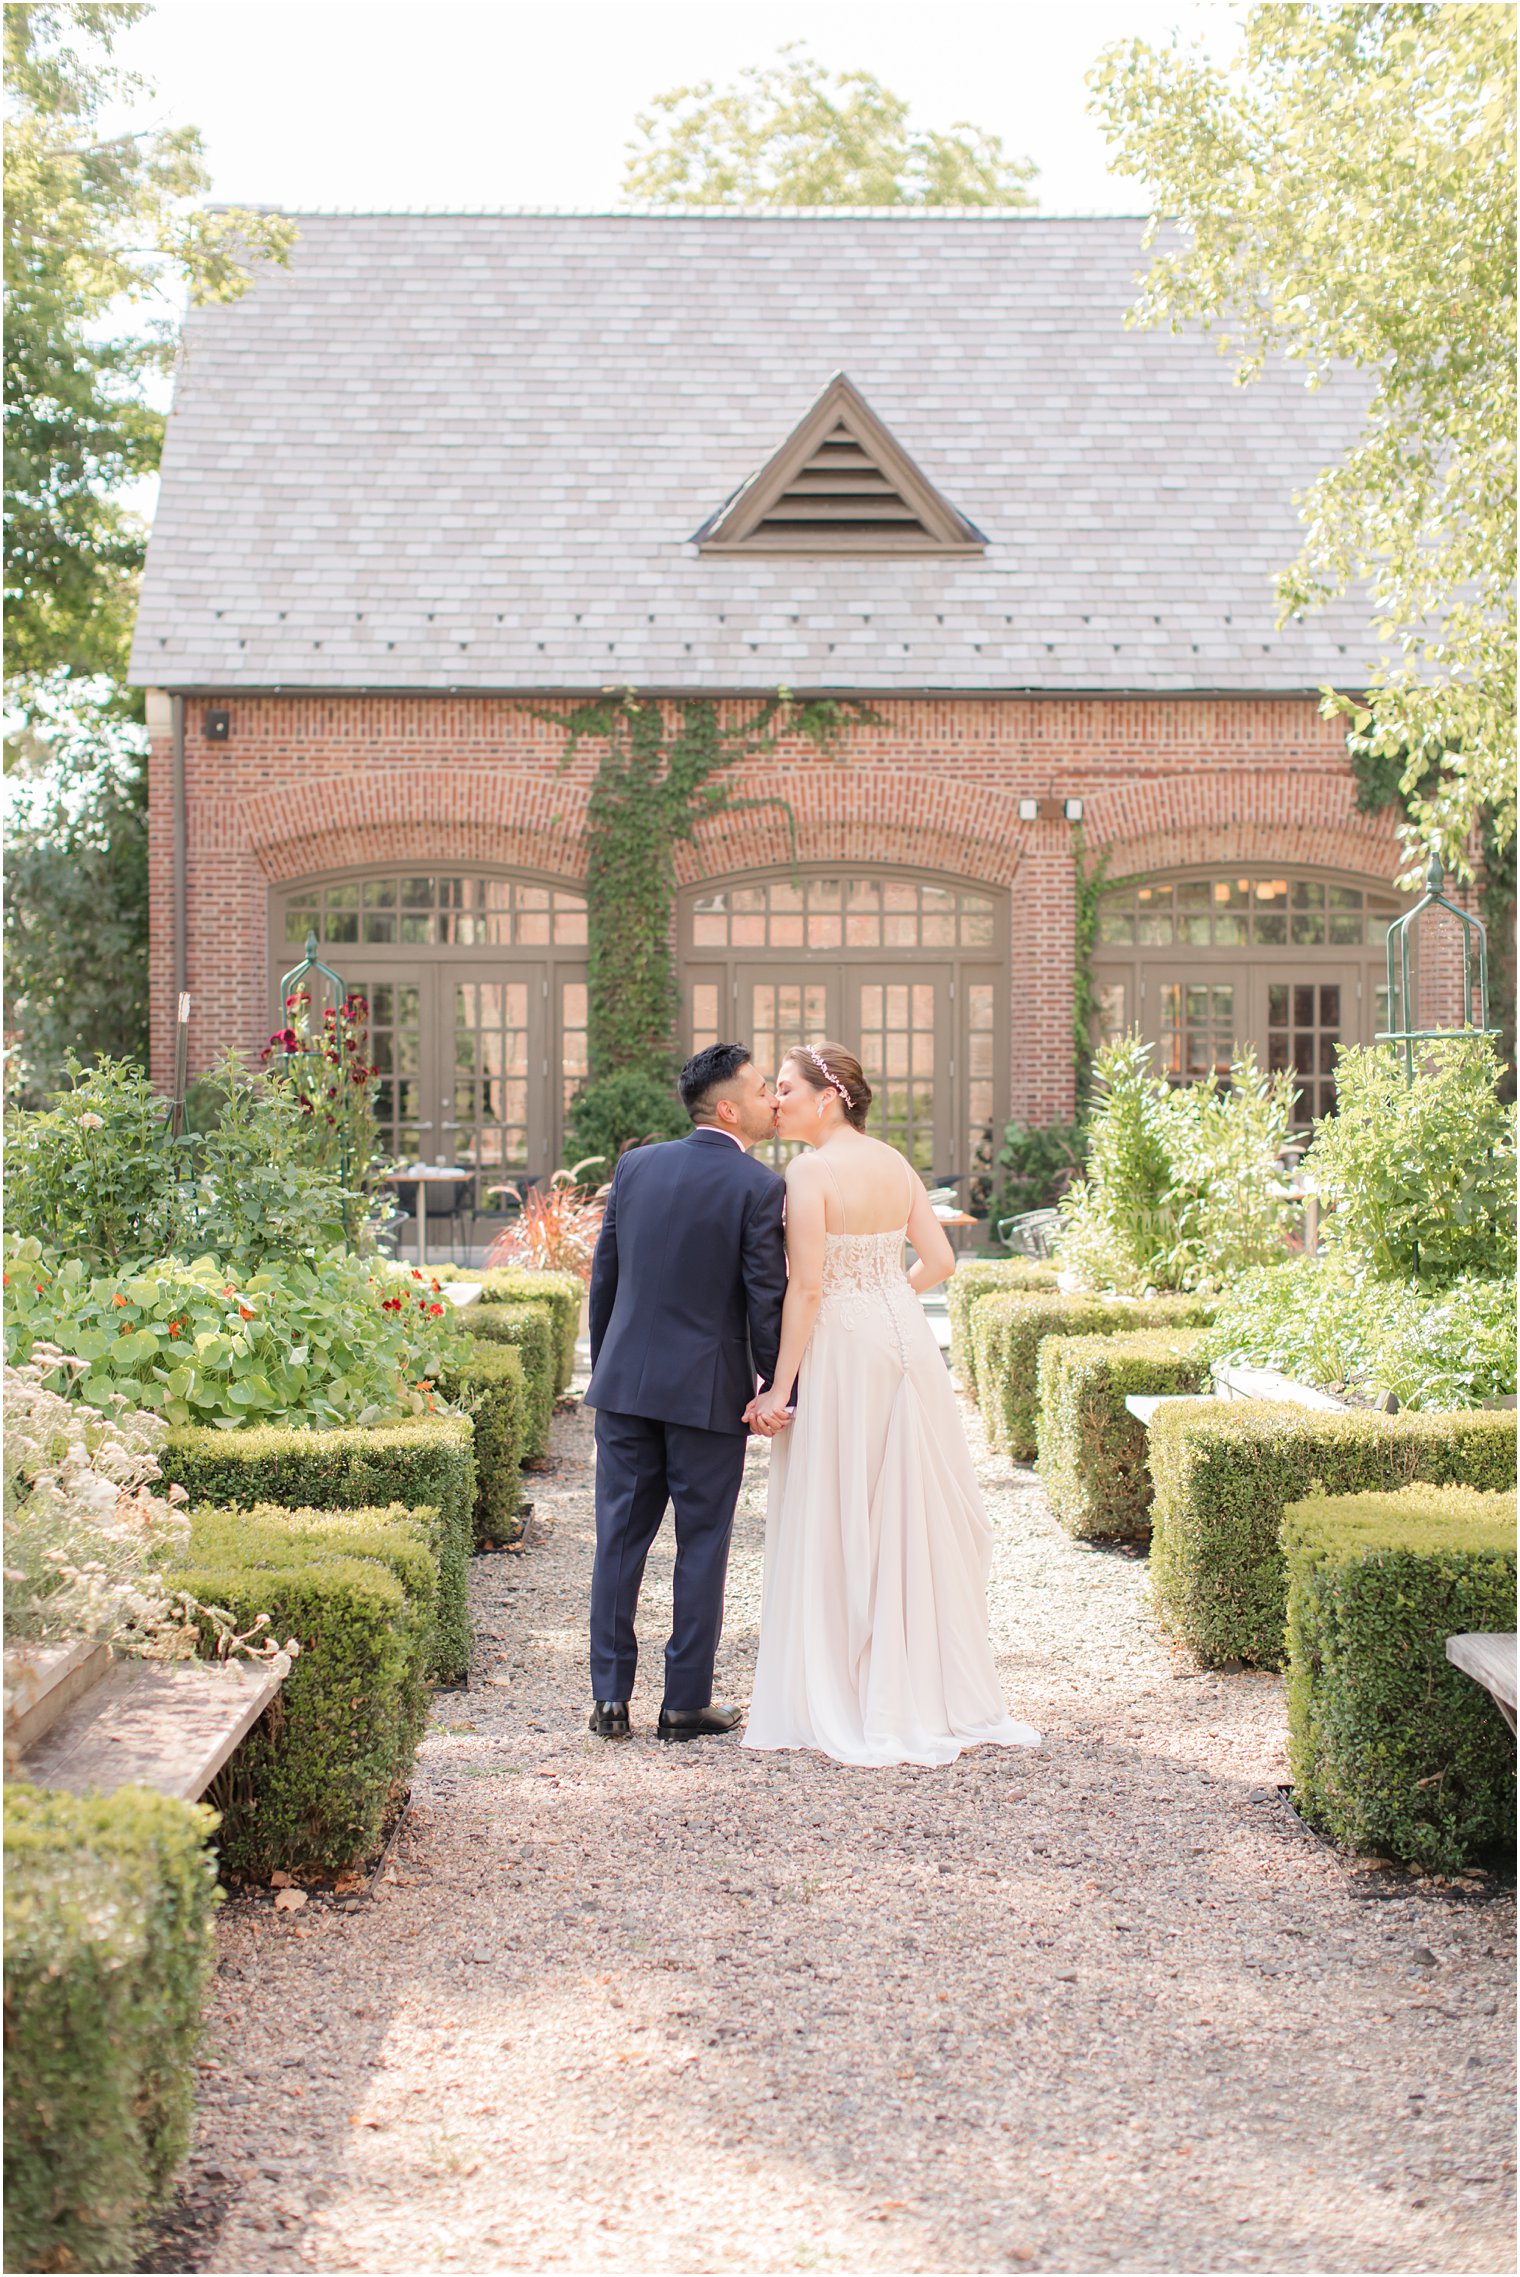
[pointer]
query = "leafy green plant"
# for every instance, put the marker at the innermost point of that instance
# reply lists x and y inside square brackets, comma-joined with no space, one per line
[95,1174]
[108,1909]
[973,1279]
[1420,1175]
[624,1109]
[1182,1188]
[1450,1347]
[1039,1161]
[98,1176]
[1393,1748]
[1009,1326]
[316,1344]
[264,1183]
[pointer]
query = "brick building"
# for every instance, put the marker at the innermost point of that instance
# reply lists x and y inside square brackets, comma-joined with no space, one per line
[446,473]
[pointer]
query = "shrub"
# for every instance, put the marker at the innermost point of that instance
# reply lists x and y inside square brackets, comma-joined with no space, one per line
[978,1277]
[488,1384]
[108,1905]
[1008,1329]
[309,1789]
[561,1292]
[1225,1473]
[1039,1162]
[96,1174]
[624,1109]
[260,1188]
[423,1463]
[334,1081]
[1445,1348]
[338,1341]
[1392,1748]
[530,1328]
[1091,1449]
[1182,1188]
[1421,1175]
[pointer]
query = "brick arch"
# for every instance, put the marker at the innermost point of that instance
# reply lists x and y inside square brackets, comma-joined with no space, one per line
[1286,817]
[429,814]
[873,817]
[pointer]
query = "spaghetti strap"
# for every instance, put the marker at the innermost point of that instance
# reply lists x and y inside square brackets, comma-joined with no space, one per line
[839,1190]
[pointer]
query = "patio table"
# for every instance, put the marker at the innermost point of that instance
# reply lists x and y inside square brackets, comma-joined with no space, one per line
[422,1176]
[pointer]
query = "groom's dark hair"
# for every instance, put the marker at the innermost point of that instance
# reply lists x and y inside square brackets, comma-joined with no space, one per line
[707,1072]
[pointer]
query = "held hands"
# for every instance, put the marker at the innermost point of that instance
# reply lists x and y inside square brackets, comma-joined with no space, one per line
[768,1414]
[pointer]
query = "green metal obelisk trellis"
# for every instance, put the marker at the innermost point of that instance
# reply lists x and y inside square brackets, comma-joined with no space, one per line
[312,1050]
[1399,1031]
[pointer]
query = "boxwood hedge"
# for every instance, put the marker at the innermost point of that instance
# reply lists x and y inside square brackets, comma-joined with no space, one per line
[530,1328]
[1091,1449]
[563,1293]
[424,1462]
[1392,1748]
[490,1386]
[108,1905]
[973,1279]
[1225,1473]
[1009,1326]
[310,1788]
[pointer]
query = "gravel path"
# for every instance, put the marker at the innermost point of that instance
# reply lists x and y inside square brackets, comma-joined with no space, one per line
[682,2008]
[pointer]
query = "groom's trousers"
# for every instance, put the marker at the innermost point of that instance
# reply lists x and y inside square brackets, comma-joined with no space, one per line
[641,1464]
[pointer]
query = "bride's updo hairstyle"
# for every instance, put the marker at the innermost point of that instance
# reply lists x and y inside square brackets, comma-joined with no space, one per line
[829,1067]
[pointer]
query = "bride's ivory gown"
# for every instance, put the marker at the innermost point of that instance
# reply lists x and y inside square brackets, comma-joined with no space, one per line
[873,1630]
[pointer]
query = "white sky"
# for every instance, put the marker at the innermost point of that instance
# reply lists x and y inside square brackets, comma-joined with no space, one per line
[361,103]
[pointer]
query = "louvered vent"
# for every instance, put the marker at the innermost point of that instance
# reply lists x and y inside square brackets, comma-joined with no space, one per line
[841,483]
[842,495]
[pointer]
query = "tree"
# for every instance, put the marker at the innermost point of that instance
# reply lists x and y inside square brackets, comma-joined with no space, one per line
[97,225]
[787,134]
[1344,195]
[76,905]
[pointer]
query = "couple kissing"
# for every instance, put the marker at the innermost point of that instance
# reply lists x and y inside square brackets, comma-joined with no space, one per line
[727,1300]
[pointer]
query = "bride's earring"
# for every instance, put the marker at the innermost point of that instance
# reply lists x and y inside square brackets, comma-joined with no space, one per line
[820,1110]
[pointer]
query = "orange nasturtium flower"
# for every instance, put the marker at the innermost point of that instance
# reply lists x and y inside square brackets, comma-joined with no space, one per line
[118,1299]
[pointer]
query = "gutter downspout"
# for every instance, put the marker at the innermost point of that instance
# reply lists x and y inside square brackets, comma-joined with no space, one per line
[181,847]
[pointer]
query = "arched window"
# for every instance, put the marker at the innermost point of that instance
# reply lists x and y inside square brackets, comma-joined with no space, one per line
[476,982]
[1205,962]
[908,970]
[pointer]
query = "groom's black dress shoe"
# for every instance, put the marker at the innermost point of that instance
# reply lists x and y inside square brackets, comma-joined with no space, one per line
[698,1723]
[609,1719]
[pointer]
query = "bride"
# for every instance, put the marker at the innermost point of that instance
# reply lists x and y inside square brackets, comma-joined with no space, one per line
[873,1631]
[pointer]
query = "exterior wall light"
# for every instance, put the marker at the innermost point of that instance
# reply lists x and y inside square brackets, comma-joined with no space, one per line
[1029,810]
[216,727]
[1073,810]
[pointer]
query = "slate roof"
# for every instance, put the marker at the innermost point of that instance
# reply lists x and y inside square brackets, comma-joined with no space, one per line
[471,451]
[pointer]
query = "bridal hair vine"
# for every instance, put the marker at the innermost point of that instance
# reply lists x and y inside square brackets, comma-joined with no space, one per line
[829,1077]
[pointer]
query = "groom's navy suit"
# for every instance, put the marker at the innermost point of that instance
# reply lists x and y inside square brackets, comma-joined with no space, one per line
[686,1293]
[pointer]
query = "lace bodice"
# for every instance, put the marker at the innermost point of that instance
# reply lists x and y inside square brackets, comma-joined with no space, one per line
[862,1264]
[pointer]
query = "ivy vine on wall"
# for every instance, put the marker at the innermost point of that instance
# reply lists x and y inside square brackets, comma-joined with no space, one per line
[663,769]
[1084,996]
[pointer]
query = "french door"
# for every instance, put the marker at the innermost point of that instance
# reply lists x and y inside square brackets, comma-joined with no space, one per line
[900,1020]
[477,1061]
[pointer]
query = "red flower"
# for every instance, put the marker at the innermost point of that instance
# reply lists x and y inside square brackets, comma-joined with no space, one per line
[118,1299]
[435,1310]
[435,1288]
[175,1328]
[391,1304]
[246,1311]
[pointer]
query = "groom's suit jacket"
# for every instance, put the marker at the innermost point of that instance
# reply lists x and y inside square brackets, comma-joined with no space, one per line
[687,1283]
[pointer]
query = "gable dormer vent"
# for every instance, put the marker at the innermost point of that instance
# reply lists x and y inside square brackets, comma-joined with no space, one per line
[840,483]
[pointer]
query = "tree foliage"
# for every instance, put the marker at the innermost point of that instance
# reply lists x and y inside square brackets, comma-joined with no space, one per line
[76,904]
[99,226]
[789,133]
[1344,195]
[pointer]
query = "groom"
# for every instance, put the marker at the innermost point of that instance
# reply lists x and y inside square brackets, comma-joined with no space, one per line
[686,1292]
